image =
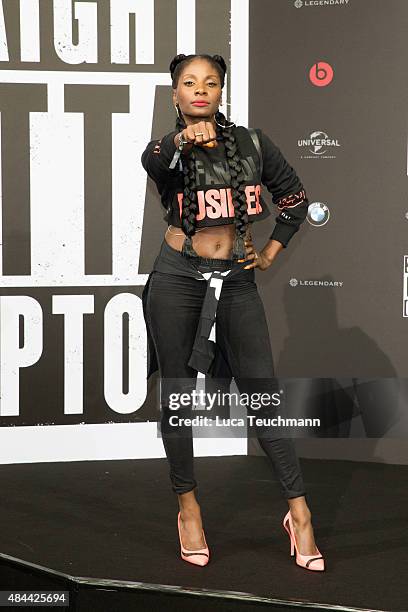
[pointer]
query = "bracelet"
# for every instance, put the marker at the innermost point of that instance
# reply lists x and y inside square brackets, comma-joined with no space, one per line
[181,141]
[177,154]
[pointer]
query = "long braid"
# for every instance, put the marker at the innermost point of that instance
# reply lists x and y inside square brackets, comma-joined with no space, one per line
[190,205]
[238,187]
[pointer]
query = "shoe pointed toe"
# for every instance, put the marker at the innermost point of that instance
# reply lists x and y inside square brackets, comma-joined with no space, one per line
[310,562]
[197,559]
[317,565]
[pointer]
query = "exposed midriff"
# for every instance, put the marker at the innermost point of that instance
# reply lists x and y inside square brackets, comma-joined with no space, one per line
[214,242]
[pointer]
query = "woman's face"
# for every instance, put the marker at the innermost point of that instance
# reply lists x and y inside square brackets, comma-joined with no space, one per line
[198,81]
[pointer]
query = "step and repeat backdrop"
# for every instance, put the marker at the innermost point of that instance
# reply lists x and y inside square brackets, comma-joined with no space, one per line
[84,86]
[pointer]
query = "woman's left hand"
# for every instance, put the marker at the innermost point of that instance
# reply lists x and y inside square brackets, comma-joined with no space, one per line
[258,260]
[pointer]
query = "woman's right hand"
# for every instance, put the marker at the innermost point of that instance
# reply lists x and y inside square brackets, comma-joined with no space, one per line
[208,137]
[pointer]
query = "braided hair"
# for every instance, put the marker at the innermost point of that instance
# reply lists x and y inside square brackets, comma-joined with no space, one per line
[190,205]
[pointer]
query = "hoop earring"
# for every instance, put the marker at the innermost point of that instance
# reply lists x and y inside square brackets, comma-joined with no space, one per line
[177,111]
[220,124]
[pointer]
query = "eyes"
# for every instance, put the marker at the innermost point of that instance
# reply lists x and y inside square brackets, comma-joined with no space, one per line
[210,83]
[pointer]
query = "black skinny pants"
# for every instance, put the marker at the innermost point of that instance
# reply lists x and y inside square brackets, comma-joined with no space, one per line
[173,310]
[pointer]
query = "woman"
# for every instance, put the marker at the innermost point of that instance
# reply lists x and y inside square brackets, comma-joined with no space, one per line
[208,173]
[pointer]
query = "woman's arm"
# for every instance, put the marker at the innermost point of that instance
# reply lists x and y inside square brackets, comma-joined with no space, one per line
[290,197]
[157,156]
[287,191]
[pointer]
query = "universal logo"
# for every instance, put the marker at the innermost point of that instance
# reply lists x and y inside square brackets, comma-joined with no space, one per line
[294,282]
[405,287]
[319,144]
[318,214]
[312,3]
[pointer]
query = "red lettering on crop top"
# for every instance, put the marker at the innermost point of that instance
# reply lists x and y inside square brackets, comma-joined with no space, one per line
[216,203]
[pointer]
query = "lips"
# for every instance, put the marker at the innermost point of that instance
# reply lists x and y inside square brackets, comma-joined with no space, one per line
[200,103]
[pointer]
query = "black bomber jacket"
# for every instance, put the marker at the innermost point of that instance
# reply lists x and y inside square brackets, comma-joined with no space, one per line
[213,183]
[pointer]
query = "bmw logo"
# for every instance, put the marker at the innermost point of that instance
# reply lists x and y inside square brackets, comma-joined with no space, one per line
[318,214]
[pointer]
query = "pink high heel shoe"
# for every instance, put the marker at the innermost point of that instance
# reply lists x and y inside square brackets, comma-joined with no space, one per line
[311,562]
[197,557]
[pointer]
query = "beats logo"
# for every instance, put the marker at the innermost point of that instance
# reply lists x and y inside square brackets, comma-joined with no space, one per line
[321,74]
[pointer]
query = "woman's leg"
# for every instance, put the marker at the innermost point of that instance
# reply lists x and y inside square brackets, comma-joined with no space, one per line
[242,335]
[173,309]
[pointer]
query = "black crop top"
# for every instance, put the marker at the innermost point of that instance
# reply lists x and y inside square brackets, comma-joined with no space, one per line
[213,183]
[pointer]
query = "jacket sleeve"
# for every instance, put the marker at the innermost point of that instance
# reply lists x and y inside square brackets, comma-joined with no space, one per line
[286,188]
[156,159]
